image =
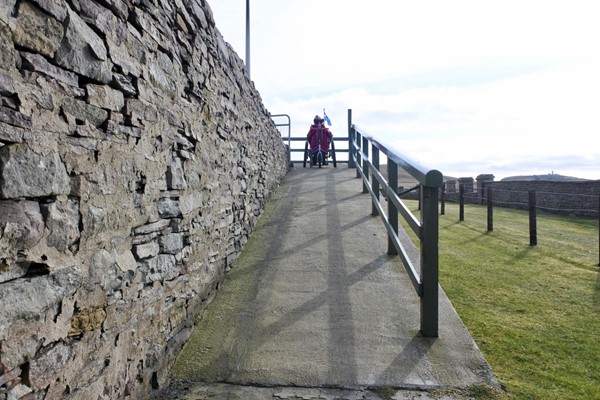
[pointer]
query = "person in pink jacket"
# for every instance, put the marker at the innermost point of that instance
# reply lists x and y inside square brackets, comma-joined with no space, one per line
[319,138]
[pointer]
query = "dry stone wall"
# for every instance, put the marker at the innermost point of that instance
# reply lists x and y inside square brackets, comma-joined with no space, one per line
[135,159]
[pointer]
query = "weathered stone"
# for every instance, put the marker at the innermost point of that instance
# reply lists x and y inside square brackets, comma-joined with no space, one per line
[104,96]
[124,84]
[176,175]
[29,299]
[122,55]
[171,243]
[119,7]
[190,202]
[7,83]
[37,30]
[168,208]
[7,48]
[24,173]
[43,368]
[21,224]
[15,118]
[146,250]
[62,221]
[37,63]
[153,227]
[103,19]
[56,8]
[9,133]
[6,9]
[161,267]
[83,51]
[85,112]
[160,80]
[103,270]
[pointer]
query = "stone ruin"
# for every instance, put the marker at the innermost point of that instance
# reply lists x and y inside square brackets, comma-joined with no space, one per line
[135,158]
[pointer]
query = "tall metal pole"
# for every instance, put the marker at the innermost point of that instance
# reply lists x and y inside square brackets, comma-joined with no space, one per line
[248,37]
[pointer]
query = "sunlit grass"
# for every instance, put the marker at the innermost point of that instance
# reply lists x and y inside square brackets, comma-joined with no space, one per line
[533,311]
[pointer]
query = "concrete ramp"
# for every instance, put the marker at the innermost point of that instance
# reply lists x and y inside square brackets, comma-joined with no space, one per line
[315,304]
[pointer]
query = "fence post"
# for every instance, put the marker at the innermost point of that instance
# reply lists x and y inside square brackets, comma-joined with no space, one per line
[392,171]
[532,219]
[365,163]
[443,199]
[599,230]
[490,210]
[374,181]
[351,137]
[429,261]
[461,202]
[357,141]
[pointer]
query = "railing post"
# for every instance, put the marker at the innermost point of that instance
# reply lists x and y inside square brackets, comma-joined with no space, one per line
[429,262]
[357,141]
[365,162]
[374,181]
[351,137]
[392,211]
[443,199]
[532,219]
[461,202]
[490,210]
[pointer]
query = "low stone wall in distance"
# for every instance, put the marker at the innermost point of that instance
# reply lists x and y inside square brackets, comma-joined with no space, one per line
[135,159]
[577,198]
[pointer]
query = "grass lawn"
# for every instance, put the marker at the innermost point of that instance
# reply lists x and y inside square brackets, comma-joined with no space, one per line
[533,311]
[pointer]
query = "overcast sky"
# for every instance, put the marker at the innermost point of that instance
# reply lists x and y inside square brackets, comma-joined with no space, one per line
[466,87]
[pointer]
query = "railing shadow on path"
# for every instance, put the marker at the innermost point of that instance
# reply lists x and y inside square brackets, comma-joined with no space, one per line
[315,301]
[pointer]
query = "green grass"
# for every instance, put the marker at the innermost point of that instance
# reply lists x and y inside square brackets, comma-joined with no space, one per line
[533,311]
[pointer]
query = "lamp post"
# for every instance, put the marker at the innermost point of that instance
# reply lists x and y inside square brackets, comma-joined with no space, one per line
[248,37]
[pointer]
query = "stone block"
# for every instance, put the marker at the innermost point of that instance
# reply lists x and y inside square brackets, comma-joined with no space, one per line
[85,112]
[15,118]
[10,133]
[21,225]
[44,367]
[24,173]
[124,84]
[103,270]
[153,227]
[83,51]
[171,243]
[176,175]
[37,30]
[104,96]
[146,250]
[103,19]
[168,208]
[37,63]
[62,221]
[7,48]
[56,8]
[161,267]
[27,300]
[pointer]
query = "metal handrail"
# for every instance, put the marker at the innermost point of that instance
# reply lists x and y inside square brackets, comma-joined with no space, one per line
[426,228]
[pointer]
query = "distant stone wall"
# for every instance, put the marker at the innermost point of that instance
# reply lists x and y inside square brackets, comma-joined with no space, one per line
[135,159]
[578,198]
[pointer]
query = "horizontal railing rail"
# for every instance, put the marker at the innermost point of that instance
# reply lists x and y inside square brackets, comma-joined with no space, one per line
[364,155]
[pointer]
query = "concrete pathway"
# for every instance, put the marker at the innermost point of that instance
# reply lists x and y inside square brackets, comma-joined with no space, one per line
[315,304]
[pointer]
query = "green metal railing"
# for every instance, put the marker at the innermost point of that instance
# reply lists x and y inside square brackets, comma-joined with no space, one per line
[426,228]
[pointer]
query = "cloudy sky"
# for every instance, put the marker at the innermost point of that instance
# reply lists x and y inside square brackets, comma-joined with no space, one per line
[466,87]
